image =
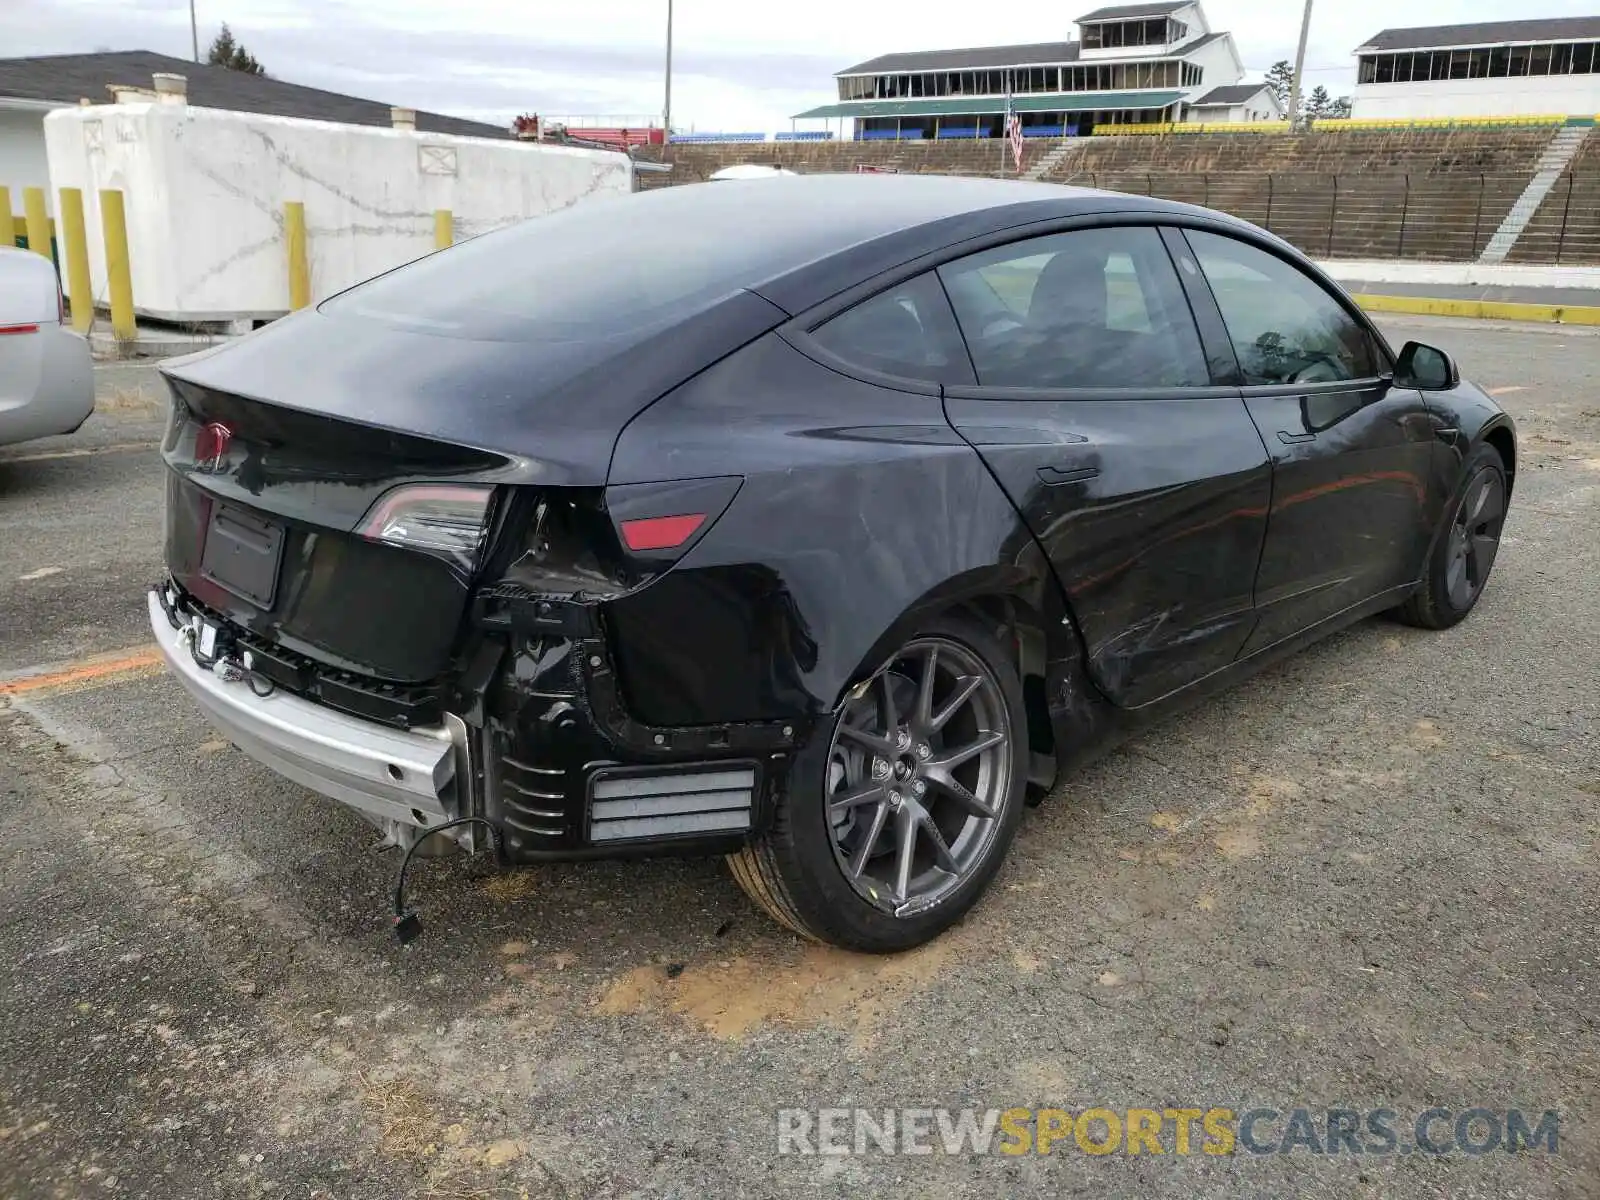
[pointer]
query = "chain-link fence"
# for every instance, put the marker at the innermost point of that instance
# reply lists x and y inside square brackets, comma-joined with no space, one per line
[1449,217]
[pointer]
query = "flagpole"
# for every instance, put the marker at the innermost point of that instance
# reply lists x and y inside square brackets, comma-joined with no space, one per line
[1005,125]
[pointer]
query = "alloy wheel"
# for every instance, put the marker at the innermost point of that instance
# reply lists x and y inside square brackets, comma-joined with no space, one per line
[1474,538]
[918,774]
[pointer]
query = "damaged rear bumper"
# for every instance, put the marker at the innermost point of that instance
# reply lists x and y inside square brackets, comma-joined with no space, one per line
[392,775]
[543,747]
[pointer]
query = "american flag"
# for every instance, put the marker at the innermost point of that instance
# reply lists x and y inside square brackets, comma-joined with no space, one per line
[1014,132]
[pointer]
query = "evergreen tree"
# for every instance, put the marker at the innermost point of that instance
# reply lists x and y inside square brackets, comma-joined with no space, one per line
[226,52]
[1280,80]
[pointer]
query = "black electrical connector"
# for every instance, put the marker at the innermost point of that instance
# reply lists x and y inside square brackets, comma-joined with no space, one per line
[407,924]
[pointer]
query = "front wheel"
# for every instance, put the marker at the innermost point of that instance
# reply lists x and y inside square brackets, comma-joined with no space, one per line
[1465,551]
[891,824]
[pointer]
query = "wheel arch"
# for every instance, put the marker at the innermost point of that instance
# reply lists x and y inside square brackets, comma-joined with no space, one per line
[1503,439]
[1024,603]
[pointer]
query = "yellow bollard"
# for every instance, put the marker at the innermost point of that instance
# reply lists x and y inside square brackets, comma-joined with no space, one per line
[38,221]
[444,228]
[119,270]
[8,223]
[75,247]
[294,223]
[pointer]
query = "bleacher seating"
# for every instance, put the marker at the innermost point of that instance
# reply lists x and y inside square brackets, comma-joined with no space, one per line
[1428,192]
[1566,226]
[958,131]
[804,135]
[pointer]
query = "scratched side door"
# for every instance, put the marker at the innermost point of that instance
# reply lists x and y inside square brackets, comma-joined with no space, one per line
[1146,484]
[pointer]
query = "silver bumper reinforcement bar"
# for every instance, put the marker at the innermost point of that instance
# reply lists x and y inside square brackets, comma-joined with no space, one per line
[388,774]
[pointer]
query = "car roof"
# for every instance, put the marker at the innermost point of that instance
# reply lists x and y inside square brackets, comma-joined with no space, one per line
[842,210]
[838,231]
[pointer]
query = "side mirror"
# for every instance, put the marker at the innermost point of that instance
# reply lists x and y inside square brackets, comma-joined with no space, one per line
[1426,368]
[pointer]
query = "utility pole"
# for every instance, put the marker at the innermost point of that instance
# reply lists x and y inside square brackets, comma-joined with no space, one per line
[194,32]
[666,108]
[1299,70]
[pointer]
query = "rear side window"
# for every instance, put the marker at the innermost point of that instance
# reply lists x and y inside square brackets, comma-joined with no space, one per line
[1285,326]
[1098,308]
[906,331]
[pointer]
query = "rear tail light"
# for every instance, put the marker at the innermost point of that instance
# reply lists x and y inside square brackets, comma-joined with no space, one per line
[8,329]
[448,520]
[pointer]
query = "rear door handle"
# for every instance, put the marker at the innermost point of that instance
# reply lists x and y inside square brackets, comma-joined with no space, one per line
[1055,476]
[1289,439]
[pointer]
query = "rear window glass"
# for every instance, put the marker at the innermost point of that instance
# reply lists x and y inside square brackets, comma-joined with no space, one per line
[612,269]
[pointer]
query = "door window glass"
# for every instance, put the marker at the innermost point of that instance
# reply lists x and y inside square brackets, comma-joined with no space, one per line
[1284,325]
[1098,308]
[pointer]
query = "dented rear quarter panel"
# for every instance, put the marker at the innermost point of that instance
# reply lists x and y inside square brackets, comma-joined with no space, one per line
[840,532]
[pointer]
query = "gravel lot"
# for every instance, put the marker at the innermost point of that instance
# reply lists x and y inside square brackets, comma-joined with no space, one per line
[1368,878]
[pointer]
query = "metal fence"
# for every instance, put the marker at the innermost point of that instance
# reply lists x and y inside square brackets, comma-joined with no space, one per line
[1439,216]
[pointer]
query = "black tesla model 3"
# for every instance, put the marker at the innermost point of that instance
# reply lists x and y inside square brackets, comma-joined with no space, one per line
[817,522]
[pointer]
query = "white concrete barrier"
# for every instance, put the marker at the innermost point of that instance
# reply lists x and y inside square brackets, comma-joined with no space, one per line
[1484,275]
[205,188]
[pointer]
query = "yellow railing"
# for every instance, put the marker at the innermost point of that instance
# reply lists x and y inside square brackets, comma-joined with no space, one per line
[1330,125]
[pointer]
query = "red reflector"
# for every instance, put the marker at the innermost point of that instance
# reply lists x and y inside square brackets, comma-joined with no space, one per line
[660,533]
[5,329]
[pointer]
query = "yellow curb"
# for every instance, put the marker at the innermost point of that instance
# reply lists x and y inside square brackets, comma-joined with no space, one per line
[1488,310]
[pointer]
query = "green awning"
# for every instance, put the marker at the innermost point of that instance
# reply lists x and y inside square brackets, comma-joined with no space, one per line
[975,106]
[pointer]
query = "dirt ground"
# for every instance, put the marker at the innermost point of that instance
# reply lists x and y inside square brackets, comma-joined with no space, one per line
[1367,878]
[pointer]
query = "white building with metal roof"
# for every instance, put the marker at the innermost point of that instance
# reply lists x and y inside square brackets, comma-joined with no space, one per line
[1131,64]
[1493,68]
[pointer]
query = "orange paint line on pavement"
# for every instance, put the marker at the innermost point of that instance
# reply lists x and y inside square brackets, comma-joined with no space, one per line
[1501,391]
[90,452]
[99,667]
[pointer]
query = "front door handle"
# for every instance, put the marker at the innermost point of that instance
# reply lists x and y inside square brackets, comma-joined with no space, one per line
[1290,439]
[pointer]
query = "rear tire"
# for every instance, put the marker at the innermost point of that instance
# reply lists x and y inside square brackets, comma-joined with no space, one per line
[893,821]
[1462,557]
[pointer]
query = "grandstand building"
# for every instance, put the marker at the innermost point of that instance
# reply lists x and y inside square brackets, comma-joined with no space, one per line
[1495,68]
[1131,64]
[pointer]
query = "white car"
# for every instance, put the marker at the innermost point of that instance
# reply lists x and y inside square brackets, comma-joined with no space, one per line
[46,375]
[750,171]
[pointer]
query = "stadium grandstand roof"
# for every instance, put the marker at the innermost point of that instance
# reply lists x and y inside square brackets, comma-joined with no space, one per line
[973,58]
[65,78]
[964,106]
[1233,93]
[983,58]
[1484,33]
[1130,12]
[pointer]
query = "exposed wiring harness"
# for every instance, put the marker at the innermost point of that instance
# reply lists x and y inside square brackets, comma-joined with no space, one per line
[407,924]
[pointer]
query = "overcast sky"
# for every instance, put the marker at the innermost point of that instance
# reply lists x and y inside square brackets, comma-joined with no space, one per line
[738,65]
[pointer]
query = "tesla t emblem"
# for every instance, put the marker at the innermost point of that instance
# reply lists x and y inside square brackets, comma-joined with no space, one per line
[211,447]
